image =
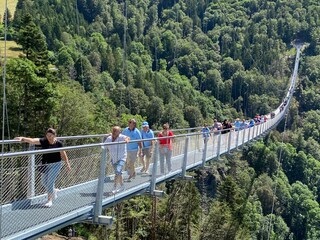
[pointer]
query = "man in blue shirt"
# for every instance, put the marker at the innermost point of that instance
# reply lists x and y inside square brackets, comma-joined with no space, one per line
[132,149]
[147,147]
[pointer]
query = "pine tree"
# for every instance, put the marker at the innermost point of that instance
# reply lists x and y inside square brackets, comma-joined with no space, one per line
[33,44]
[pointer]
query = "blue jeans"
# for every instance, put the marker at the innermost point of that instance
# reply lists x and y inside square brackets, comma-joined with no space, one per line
[118,167]
[165,152]
[49,177]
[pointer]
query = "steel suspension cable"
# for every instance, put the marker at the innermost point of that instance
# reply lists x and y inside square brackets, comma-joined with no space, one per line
[278,170]
[78,32]
[3,109]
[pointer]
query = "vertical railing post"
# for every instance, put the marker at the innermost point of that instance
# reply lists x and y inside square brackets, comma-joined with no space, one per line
[154,167]
[204,153]
[229,141]
[243,137]
[31,172]
[237,140]
[99,194]
[249,134]
[185,157]
[253,130]
[219,146]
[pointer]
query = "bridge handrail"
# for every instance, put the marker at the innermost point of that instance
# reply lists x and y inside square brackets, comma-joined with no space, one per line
[104,135]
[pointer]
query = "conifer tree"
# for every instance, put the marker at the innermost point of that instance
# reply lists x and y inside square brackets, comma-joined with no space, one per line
[33,44]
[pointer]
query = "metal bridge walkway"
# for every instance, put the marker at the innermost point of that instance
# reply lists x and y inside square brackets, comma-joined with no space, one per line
[86,190]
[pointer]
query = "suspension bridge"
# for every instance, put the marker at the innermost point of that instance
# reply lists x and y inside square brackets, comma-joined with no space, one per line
[87,189]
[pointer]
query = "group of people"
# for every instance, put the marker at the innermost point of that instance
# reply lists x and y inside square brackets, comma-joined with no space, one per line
[123,154]
[133,144]
[226,126]
[126,154]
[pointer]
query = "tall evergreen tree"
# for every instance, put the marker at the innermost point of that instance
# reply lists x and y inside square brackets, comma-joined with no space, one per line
[33,44]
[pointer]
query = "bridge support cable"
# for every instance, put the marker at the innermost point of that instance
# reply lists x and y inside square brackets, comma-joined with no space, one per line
[154,217]
[269,227]
[4,105]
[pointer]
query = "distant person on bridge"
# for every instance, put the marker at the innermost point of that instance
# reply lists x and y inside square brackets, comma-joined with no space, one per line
[132,149]
[227,126]
[205,133]
[51,162]
[147,147]
[166,147]
[217,126]
[118,155]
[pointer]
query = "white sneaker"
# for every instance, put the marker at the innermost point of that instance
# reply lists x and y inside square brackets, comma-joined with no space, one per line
[55,193]
[114,191]
[48,204]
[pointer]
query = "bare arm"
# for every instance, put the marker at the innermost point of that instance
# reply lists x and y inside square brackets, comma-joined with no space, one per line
[35,141]
[65,158]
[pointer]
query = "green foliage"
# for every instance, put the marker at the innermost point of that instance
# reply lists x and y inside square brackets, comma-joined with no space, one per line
[180,217]
[31,98]
[261,158]
[33,44]
[180,62]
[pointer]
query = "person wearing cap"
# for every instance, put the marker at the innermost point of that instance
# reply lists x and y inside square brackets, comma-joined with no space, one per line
[147,147]
[237,124]
[132,149]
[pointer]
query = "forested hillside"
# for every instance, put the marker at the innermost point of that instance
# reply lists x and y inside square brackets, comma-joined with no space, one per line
[90,64]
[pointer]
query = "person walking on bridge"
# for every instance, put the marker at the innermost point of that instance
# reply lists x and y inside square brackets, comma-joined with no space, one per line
[51,162]
[147,147]
[132,149]
[166,147]
[118,155]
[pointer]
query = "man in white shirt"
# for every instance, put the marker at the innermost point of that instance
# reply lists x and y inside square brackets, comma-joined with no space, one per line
[118,155]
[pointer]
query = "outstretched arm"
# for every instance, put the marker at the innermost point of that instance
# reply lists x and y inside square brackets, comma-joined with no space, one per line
[65,158]
[35,141]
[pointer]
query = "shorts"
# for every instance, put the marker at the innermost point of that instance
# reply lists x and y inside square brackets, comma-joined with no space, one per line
[132,156]
[118,167]
[146,152]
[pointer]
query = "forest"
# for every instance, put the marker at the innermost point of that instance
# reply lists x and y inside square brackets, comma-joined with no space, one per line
[87,65]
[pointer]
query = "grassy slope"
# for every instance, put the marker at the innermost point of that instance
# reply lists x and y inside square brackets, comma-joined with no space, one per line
[13,49]
[11,5]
